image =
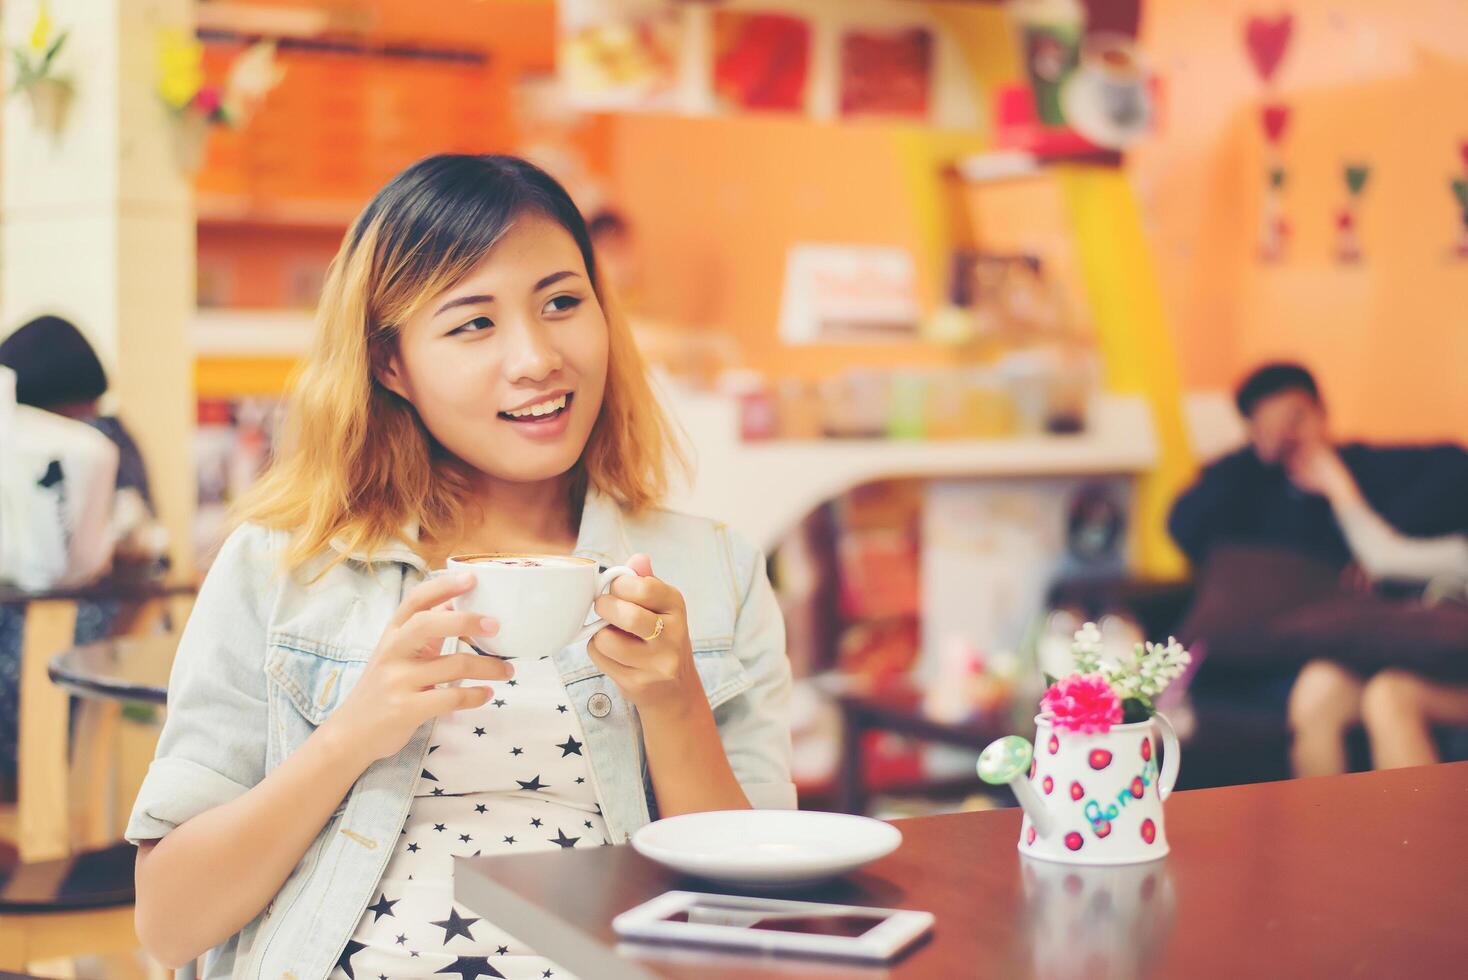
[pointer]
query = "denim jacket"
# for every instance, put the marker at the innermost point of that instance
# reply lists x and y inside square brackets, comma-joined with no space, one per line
[265,659]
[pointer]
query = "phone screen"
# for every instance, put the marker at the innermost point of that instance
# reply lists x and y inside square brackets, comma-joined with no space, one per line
[846,924]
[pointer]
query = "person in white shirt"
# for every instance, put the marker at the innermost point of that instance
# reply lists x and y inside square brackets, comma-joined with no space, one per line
[1398,707]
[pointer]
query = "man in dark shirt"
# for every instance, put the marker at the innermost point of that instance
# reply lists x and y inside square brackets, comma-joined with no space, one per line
[1267,493]
[1294,490]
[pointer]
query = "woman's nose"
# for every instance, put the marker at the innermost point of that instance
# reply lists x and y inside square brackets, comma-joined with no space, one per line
[531,355]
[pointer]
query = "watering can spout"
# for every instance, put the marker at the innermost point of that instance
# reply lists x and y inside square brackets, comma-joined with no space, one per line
[1007,762]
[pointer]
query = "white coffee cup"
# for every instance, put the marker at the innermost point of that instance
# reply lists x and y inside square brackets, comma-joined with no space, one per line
[540,601]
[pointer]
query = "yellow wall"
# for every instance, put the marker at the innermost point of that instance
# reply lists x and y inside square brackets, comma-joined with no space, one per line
[1378,81]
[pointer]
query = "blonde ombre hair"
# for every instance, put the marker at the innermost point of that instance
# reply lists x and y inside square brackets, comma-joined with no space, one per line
[356,465]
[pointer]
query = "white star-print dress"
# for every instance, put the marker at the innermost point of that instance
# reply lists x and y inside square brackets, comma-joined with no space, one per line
[506,778]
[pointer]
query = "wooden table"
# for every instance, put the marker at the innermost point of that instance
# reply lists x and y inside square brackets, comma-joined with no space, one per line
[44,814]
[1351,876]
[132,669]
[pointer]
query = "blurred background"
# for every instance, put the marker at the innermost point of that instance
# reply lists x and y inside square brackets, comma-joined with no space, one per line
[950,298]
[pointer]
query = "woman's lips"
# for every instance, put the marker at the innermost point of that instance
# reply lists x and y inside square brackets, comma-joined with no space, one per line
[542,427]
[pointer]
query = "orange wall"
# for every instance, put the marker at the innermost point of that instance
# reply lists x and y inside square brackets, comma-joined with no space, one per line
[1370,80]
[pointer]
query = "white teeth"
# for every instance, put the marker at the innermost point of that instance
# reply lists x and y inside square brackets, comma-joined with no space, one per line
[543,408]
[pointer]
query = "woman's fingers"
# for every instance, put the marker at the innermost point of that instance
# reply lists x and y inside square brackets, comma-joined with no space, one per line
[637,620]
[429,628]
[442,700]
[463,666]
[433,592]
[649,593]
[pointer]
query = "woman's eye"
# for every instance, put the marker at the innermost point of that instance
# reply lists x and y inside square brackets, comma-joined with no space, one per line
[562,304]
[473,326]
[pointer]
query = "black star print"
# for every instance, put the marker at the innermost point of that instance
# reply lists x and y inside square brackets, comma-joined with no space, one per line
[402,939]
[480,808]
[413,953]
[498,703]
[437,791]
[535,822]
[412,848]
[465,838]
[512,683]
[517,751]
[479,731]
[456,925]
[429,775]
[562,839]
[588,825]
[510,840]
[502,950]
[471,968]
[561,708]
[382,976]
[439,827]
[383,907]
[353,948]
[547,973]
[580,779]
[534,784]
[569,747]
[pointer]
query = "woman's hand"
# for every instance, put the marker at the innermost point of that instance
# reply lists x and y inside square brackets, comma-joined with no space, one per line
[655,673]
[398,690]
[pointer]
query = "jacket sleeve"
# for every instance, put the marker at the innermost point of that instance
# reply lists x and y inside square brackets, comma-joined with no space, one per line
[755,725]
[212,748]
[1211,506]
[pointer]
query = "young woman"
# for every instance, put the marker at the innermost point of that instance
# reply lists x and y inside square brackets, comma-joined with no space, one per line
[319,770]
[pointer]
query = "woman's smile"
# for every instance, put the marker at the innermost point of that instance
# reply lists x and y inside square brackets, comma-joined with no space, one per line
[548,418]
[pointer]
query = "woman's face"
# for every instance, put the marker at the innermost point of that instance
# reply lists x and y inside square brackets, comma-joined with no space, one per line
[507,368]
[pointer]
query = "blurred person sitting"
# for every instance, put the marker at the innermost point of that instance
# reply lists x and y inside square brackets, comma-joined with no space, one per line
[1379,518]
[73,491]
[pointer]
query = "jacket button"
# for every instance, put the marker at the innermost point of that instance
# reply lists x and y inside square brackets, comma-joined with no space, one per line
[599,705]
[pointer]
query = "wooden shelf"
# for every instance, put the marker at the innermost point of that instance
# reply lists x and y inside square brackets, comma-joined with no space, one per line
[225,209]
[765,488]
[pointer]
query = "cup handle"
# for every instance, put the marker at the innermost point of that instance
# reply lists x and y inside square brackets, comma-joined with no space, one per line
[603,583]
[1172,756]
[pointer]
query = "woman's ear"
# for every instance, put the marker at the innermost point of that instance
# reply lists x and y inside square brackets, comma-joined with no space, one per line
[388,370]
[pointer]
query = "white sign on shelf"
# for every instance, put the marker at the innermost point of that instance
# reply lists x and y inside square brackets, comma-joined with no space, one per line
[849,294]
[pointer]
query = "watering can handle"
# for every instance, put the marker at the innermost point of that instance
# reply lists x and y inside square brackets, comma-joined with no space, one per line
[1172,756]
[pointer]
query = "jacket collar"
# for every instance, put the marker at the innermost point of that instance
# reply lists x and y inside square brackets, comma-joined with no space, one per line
[602,536]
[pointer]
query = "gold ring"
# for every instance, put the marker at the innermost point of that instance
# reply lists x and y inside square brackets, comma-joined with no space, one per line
[657,631]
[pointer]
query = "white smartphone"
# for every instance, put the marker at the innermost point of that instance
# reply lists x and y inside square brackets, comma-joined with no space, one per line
[774,925]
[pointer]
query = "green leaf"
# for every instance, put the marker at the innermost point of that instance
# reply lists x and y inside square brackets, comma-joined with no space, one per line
[1135,709]
[51,51]
[1050,679]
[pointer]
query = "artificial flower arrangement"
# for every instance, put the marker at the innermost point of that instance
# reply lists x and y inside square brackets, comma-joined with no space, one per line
[35,64]
[1101,694]
[196,104]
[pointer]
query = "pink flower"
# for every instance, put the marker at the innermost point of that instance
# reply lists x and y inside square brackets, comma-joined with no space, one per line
[207,100]
[1082,703]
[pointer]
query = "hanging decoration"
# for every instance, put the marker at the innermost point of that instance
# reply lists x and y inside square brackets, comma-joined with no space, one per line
[196,105]
[1347,235]
[35,74]
[1266,41]
[1459,185]
[1274,230]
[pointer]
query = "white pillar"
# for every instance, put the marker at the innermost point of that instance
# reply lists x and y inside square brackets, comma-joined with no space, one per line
[97,225]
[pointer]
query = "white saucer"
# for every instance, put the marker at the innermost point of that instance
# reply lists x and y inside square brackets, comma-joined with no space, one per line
[766,848]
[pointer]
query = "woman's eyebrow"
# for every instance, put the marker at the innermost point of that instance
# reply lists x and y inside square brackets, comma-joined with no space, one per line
[474,300]
[479,298]
[552,279]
